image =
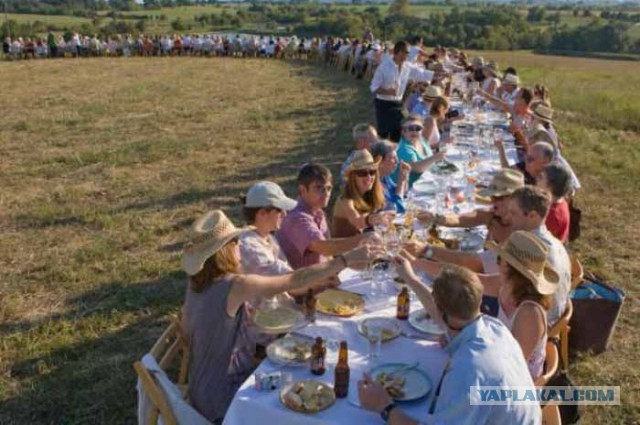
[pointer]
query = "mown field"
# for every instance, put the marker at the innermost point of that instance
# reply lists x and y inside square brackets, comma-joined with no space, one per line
[107,161]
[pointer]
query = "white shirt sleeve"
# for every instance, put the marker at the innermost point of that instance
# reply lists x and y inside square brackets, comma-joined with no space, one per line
[420,74]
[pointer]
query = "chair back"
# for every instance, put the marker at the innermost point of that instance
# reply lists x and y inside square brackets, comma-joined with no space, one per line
[563,321]
[577,271]
[160,405]
[171,343]
[551,363]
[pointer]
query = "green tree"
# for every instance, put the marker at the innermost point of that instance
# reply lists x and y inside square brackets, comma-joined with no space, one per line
[399,7]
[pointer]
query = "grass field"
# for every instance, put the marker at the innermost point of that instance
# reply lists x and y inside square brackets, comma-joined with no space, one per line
[106,162]
[58,20]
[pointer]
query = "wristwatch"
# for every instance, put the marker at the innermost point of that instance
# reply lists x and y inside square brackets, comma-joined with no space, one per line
[386,412]
[428,254]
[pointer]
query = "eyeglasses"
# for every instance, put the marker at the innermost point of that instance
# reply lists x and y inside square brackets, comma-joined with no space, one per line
[324,189]
[413,128]
[365,173]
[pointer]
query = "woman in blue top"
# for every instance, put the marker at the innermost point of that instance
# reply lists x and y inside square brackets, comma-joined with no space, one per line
[384,152]
[414,150]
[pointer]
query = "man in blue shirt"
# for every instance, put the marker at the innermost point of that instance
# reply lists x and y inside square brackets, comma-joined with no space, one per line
[481,350]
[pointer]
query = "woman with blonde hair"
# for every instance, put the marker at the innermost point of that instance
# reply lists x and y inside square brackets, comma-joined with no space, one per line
[214,307]
[361,198]
[437,114]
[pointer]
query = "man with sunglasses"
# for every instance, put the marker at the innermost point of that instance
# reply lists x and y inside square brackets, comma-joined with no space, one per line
[304,234]
[481,352]
[389,84]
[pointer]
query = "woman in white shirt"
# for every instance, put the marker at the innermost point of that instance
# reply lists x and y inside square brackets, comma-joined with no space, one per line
[431,133]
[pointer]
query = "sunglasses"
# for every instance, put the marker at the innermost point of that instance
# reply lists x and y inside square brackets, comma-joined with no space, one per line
[365,173]
[413,128]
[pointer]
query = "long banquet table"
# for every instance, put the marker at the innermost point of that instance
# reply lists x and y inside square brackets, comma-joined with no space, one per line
[251,406]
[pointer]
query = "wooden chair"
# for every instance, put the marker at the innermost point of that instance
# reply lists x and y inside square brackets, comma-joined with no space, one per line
[577,271]
[166,349]
[550,364]
[561,330]
[551,415]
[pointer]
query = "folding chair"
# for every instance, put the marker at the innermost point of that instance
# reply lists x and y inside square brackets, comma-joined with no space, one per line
[561,330]
[550,364]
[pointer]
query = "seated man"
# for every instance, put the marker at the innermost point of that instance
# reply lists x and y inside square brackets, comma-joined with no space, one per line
[503,184]
[304,234]
[482,352]
[364,135]
[538,156]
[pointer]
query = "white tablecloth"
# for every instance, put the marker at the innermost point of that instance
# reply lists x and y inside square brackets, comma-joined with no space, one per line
[254,407]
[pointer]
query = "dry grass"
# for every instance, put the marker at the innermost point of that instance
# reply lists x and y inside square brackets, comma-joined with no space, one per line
[105,162]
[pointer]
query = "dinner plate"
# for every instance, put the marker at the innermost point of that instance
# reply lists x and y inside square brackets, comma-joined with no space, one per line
[416,382]
[419,320]
[390,328]
[335,302]
[278,320]
[314,397]
[425,188]
[443,168]
[468,240]
[292,350]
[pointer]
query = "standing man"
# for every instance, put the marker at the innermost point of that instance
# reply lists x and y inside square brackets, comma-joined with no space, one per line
[389,84]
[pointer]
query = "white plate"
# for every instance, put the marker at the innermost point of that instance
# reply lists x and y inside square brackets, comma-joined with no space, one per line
[417,383]
[281,351]
[419,321]
[382,322]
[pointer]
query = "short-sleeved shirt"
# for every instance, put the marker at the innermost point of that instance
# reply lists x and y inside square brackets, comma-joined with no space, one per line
[389,188]
[558,220]
[300,228]
[262,256]
[484,353]
[408,153]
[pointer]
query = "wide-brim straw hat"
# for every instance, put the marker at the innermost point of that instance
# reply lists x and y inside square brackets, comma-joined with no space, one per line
[208,235]
[431,93]
[504,183]
[543,113]
[362,160]
[528,255]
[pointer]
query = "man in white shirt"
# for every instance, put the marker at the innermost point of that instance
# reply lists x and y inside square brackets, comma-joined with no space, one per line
[389,84]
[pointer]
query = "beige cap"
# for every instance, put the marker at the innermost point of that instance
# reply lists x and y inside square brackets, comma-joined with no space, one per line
[268,194]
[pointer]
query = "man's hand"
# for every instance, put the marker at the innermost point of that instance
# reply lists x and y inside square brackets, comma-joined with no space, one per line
[404,268]
[363,255]
[415,248]
[373,396]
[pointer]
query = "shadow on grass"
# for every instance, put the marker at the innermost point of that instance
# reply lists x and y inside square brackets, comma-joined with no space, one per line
[92,381]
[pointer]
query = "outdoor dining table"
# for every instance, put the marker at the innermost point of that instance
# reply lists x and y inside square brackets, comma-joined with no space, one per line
[252,406]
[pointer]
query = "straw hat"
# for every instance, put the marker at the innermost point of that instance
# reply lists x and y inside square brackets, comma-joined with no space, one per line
[504,183]
[431,93]
[543,113]
[207,236]
[362,160]
[511,79]
[526,253]
[492,67]
[478,61]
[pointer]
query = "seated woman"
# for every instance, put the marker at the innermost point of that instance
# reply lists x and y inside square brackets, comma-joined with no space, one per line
[213,308]
[384,152]
[361,198]
[437,114]
[413,150]
[526,285]
[491,81]
[556,179]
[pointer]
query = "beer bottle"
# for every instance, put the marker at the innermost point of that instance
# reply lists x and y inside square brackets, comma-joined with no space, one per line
[403,304]
[341,381]
[310,306]
[318,353]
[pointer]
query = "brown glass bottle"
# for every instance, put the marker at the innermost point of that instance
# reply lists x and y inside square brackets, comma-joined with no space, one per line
[310,306]
[403,304]
[318,353]
[342,373]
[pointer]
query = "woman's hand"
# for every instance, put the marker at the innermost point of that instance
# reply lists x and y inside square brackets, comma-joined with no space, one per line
[404,268]
[438,156]
[405,169]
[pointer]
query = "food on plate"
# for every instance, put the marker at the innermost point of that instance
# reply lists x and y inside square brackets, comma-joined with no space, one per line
[434,239]
[394,384]
[339,303]
[385,333]
[293,349]
[308,396]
